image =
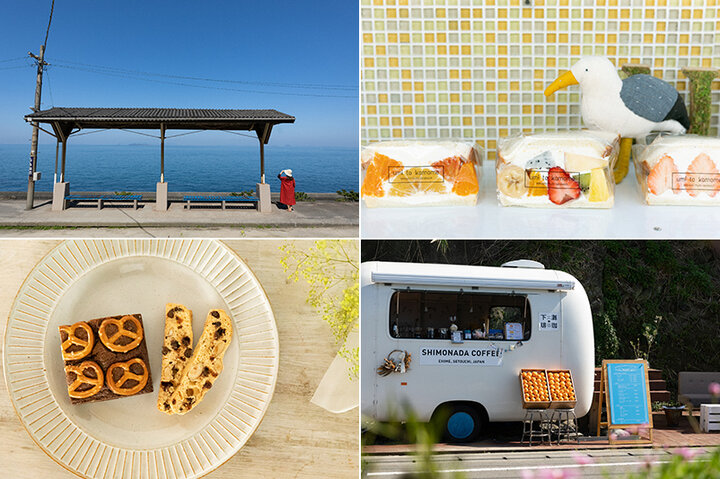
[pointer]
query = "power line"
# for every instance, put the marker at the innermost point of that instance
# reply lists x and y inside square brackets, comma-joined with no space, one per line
[16,67]
[49,84]
[13,59]
[69,64]
[47,32]
[166,82]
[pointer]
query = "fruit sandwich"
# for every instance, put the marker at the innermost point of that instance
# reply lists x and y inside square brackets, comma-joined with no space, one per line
[570,169]
[679,170]
[420,173]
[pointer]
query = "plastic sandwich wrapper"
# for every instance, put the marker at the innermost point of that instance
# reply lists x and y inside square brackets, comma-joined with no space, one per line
[422,173]
[565,169]
[679,170]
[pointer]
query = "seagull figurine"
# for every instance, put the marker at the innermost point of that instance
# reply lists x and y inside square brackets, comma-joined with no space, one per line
[632,107]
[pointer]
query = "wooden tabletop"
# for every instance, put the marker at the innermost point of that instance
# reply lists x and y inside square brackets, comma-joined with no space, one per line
[295,439]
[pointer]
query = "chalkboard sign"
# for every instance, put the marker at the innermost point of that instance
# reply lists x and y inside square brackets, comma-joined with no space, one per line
[628,391]
[627,394]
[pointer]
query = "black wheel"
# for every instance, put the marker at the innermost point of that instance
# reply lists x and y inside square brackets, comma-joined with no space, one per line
[461,423]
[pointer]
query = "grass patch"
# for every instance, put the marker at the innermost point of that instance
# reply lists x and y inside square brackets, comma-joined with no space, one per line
[244,194]
[302,196]
[348,195]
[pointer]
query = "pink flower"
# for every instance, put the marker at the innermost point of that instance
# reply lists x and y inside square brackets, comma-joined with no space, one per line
[583,460]
[545,474]
[714,389]
[647,462]
[527,474]
[687,453]
[558,474]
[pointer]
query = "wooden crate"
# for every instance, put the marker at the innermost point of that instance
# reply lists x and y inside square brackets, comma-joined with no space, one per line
[534,404]
[558,404]
[709,417]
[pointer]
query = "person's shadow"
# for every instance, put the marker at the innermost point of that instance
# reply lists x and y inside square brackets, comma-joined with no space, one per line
[282,206]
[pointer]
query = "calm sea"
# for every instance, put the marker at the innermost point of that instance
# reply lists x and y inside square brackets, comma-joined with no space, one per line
[187,168]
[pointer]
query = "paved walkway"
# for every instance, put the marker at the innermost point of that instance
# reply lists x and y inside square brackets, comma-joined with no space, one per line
[505,438]
[310,219]
[596,463]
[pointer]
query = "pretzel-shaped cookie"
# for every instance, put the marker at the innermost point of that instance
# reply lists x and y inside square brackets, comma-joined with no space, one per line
[81,378]
[72,339]
[116,386]
[111,343]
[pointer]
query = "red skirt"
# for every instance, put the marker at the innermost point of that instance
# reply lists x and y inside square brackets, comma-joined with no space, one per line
[287,190]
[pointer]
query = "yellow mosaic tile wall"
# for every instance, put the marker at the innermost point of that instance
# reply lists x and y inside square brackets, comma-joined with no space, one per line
[477,69]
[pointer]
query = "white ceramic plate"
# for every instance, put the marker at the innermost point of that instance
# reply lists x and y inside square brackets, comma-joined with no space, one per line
[129,437]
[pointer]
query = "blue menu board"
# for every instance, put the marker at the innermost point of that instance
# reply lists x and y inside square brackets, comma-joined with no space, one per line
[628,393]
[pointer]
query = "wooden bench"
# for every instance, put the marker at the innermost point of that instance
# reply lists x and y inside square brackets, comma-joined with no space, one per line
[218,199]
[100,199]
[693,386]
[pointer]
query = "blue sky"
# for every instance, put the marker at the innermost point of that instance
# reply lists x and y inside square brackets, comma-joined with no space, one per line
[312,43]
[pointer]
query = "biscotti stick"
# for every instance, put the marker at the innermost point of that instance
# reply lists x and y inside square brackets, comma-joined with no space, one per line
[176,352]
[206,363]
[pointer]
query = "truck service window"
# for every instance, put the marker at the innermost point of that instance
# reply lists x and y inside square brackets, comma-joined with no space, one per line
[478,316]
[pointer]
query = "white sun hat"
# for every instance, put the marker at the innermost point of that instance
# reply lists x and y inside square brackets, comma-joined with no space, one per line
[288,172]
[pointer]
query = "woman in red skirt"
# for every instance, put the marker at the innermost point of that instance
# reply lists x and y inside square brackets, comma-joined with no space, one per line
[287,189]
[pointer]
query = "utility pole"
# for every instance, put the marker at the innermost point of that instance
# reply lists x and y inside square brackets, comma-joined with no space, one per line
[34,142]
[38,91]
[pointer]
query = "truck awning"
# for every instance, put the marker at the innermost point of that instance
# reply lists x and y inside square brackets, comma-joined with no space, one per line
[474,281]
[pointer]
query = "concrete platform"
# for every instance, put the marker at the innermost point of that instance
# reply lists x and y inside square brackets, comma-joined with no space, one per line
[322,213]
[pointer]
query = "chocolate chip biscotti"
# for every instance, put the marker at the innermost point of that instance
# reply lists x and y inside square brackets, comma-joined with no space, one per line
[206,363]
[176,352]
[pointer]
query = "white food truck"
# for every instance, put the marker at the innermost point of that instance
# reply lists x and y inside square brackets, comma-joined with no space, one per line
[458,336]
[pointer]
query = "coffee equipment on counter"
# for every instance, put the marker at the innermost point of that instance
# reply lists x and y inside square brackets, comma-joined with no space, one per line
[443,333]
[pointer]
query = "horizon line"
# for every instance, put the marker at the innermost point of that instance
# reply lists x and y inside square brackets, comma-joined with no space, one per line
[184,145]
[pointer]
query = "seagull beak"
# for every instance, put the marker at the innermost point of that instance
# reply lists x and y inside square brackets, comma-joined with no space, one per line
[564,80]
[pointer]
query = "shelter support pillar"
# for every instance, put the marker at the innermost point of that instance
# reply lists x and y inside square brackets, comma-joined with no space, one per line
[262,162]
[161,191]
[61,189]
[161,197]
[262,188]
[263,195]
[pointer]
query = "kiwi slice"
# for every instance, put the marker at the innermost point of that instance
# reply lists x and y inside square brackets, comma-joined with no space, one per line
[583,180]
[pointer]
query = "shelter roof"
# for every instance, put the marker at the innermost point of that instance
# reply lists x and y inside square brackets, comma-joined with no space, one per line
[68,118]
